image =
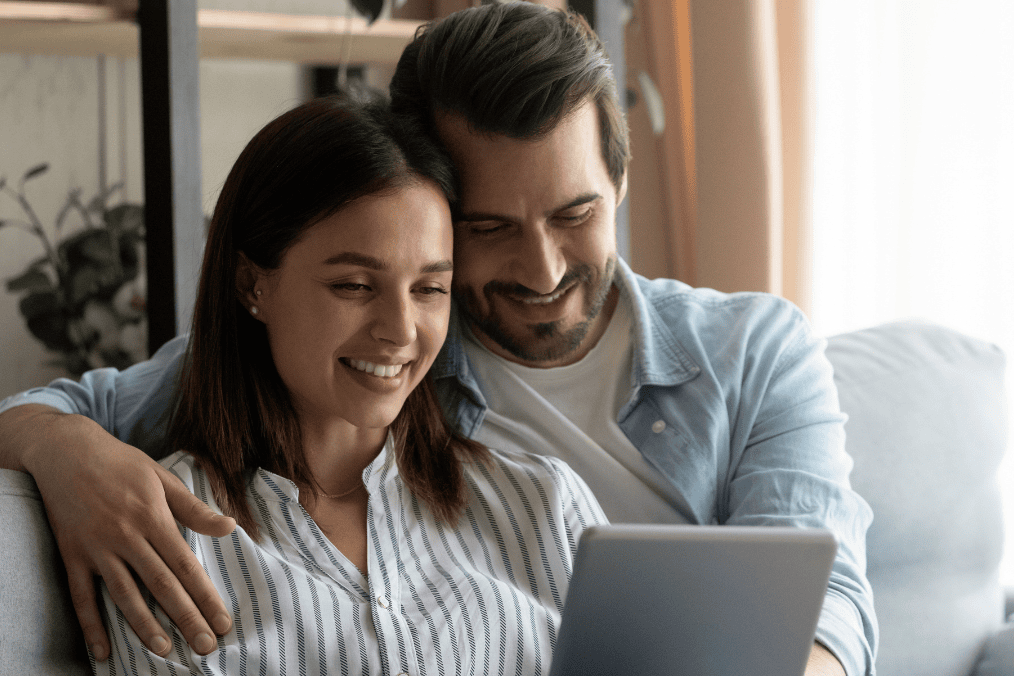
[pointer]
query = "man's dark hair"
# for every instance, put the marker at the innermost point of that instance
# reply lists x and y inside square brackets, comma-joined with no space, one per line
[514,69]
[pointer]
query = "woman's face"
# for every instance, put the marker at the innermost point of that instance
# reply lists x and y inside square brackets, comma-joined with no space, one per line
[359,306]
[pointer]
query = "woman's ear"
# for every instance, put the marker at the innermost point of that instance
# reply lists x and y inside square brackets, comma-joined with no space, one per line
[249,279]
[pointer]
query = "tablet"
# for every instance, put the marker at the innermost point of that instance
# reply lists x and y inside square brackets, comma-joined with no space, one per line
[696,600]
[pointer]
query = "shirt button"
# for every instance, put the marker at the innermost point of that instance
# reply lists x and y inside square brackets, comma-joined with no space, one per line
[658,426]
[383,602]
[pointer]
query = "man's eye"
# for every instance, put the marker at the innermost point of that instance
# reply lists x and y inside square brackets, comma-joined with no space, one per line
[572,218]
[486,228]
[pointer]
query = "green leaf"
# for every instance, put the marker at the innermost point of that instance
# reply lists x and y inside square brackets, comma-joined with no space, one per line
[98,247]
[125,218]
[84,283]
[51,329]
[35,171]
[39,304]
[31,280]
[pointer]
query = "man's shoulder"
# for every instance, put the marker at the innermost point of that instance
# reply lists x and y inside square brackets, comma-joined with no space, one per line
[681,306]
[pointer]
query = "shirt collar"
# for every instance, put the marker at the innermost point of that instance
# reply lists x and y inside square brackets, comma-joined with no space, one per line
[276,488]
[659,358]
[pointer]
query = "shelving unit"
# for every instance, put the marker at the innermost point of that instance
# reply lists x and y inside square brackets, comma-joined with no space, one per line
[171,36]
[71,29]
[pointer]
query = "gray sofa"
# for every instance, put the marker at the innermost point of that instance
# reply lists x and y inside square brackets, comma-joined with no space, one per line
[926,430]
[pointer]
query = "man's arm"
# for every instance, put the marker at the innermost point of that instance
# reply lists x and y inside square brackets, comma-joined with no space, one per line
[823,663]
[111,509]
[791,469]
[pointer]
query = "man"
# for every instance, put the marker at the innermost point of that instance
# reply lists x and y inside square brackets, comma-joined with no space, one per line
[674,404]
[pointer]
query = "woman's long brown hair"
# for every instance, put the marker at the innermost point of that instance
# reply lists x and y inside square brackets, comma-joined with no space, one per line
[231,408]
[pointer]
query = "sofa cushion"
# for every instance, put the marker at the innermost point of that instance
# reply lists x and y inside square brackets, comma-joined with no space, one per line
[926,430]
[39,632]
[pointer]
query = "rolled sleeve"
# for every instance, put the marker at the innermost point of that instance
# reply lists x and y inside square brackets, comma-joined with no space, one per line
[131,404]
[794,471]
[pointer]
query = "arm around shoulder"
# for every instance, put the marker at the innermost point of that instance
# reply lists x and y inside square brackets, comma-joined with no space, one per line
[130,404]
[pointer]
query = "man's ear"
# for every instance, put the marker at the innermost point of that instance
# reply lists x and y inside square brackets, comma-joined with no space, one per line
[621,192]
[248,282]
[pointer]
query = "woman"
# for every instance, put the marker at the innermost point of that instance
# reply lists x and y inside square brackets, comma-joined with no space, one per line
[372,538]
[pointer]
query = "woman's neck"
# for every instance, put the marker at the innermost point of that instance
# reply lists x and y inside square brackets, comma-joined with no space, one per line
[337,454]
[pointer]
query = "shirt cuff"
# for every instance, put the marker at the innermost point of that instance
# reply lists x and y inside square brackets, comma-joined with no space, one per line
[839,629]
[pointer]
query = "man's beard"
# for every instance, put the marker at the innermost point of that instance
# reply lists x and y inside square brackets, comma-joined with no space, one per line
[547,341]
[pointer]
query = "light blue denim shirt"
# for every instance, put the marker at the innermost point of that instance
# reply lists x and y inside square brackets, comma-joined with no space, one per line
[752,434]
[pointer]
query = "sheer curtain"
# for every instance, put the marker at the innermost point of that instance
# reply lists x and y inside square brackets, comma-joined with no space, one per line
[913,184]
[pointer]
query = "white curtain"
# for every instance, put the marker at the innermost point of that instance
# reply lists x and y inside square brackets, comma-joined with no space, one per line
[913,210]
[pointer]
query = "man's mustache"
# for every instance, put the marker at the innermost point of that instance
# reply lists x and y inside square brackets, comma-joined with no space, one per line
[581,273]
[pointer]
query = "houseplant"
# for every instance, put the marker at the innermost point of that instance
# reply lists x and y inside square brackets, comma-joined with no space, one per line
[84,297]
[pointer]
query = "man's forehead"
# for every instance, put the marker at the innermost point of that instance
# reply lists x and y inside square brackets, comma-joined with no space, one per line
[453,128]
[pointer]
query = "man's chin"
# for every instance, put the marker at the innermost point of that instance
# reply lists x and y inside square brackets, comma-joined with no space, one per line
[539,345]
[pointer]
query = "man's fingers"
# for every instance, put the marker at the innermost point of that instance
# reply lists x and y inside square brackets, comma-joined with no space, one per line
[128,599]
[166,586]
[200,589]
[190,511]
[82,595]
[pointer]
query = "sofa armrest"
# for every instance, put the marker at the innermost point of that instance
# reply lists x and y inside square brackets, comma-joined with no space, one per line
[997,657]
[39,632]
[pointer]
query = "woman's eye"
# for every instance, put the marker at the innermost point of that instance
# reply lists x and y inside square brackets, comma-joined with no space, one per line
[349,286]
[433,290]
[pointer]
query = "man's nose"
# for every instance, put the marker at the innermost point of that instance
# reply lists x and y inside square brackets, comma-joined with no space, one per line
[395,321]
[539,263]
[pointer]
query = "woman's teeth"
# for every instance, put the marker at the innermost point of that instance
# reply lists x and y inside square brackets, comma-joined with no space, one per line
[543,300]
[379,370]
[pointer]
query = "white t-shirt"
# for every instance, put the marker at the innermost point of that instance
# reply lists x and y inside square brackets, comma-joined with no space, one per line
[570,412]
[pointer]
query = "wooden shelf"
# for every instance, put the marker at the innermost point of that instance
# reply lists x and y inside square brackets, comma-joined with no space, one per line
[86,30]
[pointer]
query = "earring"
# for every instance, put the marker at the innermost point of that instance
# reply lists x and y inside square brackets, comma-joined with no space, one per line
[259,292]
[253,310]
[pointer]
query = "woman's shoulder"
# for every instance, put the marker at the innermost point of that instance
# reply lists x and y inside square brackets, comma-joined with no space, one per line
[185,467]
[520,482]
[514,461]
[524,468]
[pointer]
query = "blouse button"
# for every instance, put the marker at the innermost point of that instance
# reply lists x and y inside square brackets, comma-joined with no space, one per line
[383,602]
[658,426]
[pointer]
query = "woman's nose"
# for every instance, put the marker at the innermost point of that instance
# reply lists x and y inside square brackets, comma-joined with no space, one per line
[395,322]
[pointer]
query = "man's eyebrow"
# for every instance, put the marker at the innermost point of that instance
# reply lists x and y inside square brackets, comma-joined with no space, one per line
[373,263]
[476,216]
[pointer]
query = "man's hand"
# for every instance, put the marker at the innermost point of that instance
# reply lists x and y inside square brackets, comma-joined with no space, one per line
[823,663]
[111,509]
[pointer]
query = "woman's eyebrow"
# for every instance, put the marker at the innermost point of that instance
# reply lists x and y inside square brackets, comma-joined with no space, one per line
[374,263]
[439,266]
[358,259]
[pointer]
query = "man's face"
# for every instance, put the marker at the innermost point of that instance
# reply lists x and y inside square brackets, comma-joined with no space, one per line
[534,239]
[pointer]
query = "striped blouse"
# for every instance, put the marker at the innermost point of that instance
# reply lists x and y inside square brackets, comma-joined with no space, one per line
[482,598]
